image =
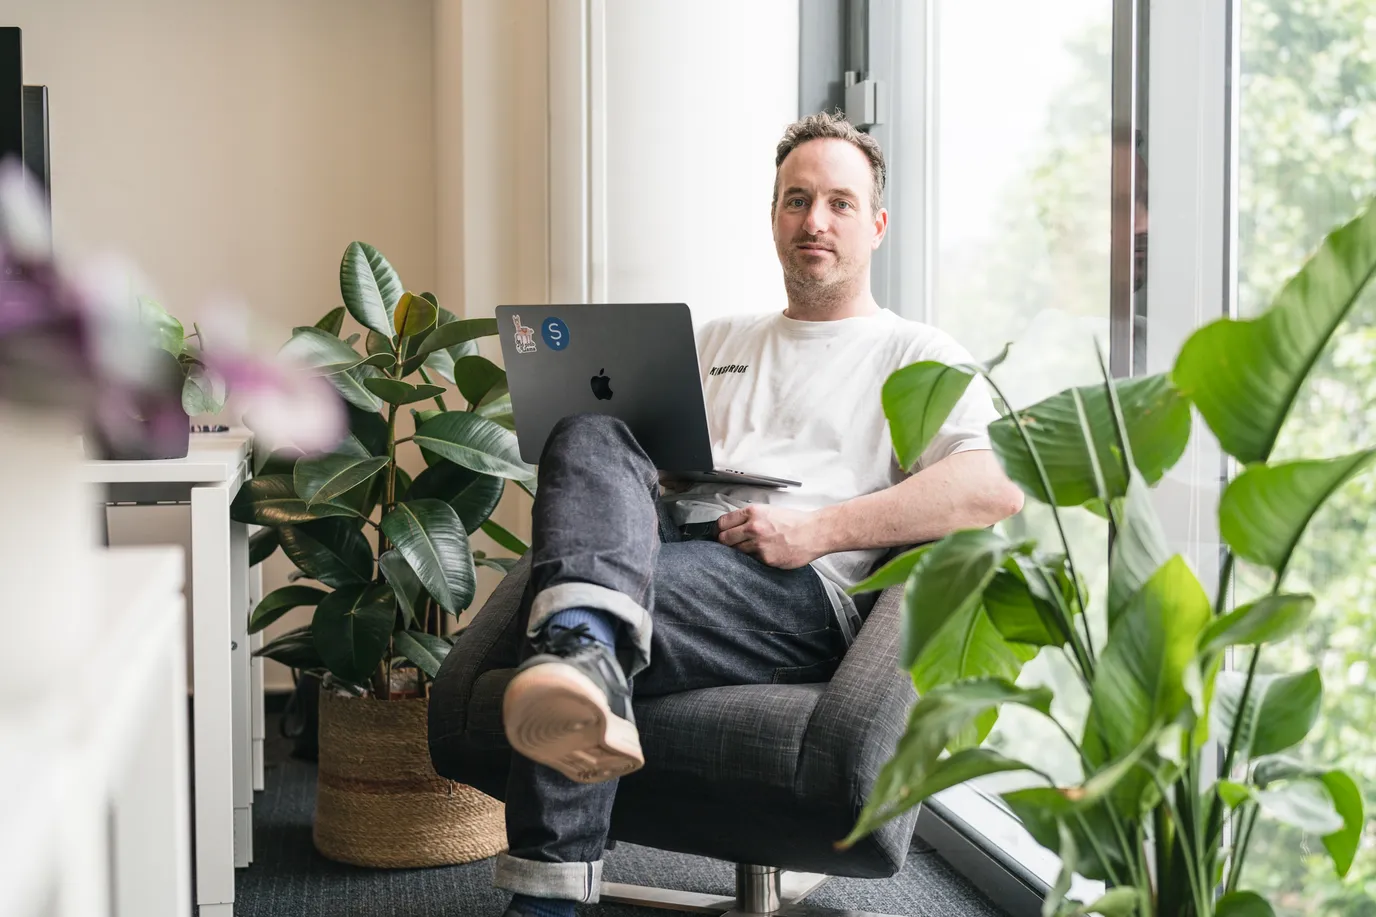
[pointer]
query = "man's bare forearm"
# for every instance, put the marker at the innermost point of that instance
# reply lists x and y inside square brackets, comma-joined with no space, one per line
[962,491]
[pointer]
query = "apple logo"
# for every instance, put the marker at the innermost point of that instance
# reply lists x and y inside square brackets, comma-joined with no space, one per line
[602,386]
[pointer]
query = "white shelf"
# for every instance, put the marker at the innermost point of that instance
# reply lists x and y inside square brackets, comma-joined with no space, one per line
[212,457]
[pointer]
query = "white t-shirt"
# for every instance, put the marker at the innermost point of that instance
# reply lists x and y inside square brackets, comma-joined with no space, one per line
[801,400]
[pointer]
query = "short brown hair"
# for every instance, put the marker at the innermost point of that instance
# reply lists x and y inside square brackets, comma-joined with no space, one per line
[824,125]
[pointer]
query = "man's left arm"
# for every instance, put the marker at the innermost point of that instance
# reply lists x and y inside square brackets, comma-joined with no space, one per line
[962,491]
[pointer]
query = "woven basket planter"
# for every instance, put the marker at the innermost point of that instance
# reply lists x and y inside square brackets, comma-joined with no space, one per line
[379,801]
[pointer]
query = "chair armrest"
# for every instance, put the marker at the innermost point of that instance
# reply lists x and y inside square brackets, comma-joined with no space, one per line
[859,719]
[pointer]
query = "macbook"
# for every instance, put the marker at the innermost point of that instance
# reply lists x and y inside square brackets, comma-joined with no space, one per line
[634,361]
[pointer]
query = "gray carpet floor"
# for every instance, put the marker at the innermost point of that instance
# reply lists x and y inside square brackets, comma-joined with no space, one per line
[289,879]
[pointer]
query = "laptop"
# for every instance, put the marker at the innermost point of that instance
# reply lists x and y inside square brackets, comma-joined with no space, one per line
[634,361]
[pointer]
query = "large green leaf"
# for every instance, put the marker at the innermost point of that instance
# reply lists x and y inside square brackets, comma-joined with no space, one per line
[474,496]
[426,651]
[370,287]
[1245,375]
[1139,548]
[352,627]
[272,500]
[1044,810]
[503,565]
[1347,798]
[1121,901]
[505,538]
[474,442]
[1266,620]
[892,573]
[432,539]
[1265,510]
[405,584]
[332,322]
[917,399]
[377,343]
[394,391]
[1243,904]
[280,461]
[332,551]
[337,361]
[498,410]
[1140,683]
[370,428]
[903,783]
[324,353]
[1343,793]
[164,331]
[948,579]
[413,315]
[1022,602]
[280,601]
[969,646]
[294,649]
[1302,804]
[477,377]
[319,480]
[939,715]
[262,544]
[454,332]
[1281,709]
[203,392]
[1158,421]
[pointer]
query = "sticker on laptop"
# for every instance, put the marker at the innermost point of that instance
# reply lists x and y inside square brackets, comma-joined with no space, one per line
[556,333]
[525,336]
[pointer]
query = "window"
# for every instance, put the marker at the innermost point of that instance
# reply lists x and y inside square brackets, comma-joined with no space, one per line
[1307,156]
[1021,250]
[998,129]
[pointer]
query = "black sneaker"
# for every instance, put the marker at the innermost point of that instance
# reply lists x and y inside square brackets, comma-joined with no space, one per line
[569,708]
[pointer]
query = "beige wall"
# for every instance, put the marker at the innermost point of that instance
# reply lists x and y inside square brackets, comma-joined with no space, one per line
[238,147]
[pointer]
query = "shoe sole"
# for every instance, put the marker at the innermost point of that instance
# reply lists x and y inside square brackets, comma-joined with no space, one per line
[555,715]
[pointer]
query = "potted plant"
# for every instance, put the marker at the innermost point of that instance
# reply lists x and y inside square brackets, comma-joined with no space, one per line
[394,554]
[1148,817]
[180,375]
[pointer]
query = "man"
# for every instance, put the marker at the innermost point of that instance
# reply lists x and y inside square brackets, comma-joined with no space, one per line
[718,585]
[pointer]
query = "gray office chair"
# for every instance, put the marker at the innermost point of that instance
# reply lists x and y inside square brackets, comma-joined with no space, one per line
[783,777]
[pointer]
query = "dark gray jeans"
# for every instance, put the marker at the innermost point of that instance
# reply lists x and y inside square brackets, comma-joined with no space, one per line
[694,613]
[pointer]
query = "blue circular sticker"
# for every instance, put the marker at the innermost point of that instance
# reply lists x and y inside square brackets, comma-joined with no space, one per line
[555,333]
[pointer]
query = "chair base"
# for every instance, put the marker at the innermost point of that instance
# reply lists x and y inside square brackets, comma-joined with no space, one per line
[759,890]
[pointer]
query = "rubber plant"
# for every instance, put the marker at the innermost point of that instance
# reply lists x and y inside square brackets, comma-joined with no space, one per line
[1147,818]
[393,552]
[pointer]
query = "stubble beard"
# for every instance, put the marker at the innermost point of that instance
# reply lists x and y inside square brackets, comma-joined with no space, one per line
[813,294]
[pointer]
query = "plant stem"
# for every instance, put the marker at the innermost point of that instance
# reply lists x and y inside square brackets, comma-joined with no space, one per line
[1190,853]
[1225,578]
[1241,713]
[390,495]
[1099,851]
[1244,839]
[439,399]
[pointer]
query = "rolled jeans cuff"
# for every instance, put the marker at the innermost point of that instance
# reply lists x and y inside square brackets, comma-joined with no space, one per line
[580,882]
[564,596]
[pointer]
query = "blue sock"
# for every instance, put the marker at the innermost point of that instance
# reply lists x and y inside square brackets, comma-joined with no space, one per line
[541,907]
[601,626]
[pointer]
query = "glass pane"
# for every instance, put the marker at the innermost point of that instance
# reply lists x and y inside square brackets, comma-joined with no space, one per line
[1022,182]
[1308,160]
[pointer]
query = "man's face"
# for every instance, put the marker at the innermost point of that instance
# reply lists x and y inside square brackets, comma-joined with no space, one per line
[825,230]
